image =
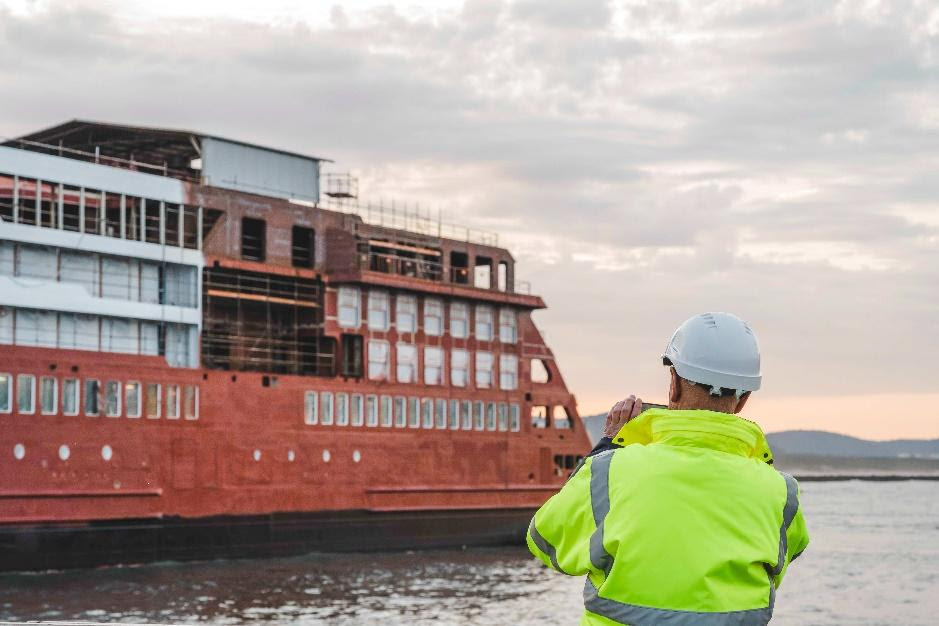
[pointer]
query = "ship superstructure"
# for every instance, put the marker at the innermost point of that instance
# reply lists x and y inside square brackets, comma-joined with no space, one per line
[204,353]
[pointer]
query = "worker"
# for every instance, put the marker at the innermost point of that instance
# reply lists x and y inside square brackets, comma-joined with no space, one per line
[678,515]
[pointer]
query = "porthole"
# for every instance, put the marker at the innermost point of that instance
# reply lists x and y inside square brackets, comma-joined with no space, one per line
[326,456]
[257,455]
[64,452]
[356,456]
[291,455]
[19,451]
[106,452]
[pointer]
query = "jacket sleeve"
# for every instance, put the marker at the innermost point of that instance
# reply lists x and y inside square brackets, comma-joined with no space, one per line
[559,533]
[797,539]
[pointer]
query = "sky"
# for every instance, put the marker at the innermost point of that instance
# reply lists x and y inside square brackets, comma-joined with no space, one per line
[643,161]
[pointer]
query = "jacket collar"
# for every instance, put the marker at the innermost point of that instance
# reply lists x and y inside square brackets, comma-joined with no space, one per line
[697,428]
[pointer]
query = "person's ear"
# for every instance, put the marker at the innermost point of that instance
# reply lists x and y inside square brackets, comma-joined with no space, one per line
[742,401]
[674,389]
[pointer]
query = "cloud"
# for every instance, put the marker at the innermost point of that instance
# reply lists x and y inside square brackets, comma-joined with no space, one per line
[644,160]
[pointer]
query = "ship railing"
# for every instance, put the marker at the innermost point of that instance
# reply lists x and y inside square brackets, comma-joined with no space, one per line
[261,286]
[55,205]
[96,157]
[402,266]
[221,349]
[411,219]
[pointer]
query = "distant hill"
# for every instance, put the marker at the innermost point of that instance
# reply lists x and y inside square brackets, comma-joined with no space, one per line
[821,443]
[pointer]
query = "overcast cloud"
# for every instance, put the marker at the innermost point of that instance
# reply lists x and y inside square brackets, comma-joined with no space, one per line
[643,160]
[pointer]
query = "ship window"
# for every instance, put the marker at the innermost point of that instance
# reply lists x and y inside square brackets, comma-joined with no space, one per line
[191,227]
[502,280]
[342,409]
[6,391]
[503,416]
[327,399]
[454,414]
[386,416]
[151,219]
[433,365]
[508,372]
[433,317]
[482,273]
[112,398]
[478,417]
[170,224]
[172,402]
[352,355]
[414,416]
[401,412]
[132,398]
[459,268]
[459,367]
[131,217]
[378,359]
[440,413]
[356,410]
[70,396]
[539,371]
[89,202]
[378,303]
[152,400]
[70,209]
[539,416]
[560,417]
[253,235]
[26,393]
[192,402]
[349,307]
[371,410]
[36,328]
[37,262]
[491,416]
[459,320]
[310,408]
[508,326]
[483,323]
[6,313]
[6,200]
[303,242]
[48,395]
[467,415]
[406,314]
[92,397]
[427,412]
[407,363]
[515,422]
[483,370]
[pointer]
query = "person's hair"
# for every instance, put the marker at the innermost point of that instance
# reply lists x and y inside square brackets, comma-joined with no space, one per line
[724,390]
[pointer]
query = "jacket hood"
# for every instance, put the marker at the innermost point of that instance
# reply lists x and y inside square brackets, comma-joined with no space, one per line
[709,429]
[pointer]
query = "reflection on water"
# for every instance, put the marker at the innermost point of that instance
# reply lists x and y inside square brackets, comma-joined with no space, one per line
[874,559]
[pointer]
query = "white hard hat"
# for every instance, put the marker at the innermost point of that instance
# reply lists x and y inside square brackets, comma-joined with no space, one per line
[718,350]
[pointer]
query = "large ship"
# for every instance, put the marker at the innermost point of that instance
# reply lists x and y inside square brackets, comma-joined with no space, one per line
[210,348]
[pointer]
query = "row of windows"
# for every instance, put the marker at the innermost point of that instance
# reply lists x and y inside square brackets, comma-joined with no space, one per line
[406,317]
[406,367]
[99,212]
[356,409]
[113,398]
[76,331]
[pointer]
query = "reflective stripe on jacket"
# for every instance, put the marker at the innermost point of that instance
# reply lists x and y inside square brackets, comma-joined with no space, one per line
[688,523]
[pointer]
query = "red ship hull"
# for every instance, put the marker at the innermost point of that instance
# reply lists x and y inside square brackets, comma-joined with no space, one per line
[237,351]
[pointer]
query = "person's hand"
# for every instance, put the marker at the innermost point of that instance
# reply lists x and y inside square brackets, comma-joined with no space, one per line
[622,412]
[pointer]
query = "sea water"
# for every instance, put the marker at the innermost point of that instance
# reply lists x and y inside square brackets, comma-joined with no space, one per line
[874,559]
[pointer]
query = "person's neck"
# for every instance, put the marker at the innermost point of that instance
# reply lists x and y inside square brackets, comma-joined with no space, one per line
[724,405]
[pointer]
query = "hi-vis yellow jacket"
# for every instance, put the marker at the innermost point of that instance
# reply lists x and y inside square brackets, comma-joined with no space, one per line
[687,523]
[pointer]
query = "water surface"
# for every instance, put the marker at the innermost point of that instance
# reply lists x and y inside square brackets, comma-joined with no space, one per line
[874,559]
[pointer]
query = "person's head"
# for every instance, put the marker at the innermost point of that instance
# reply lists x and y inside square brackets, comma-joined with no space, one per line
[714,363]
